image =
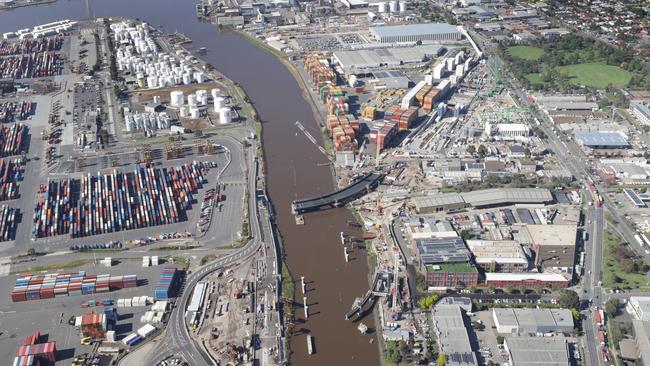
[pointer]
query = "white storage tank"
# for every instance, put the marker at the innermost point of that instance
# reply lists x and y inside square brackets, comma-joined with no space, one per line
[187,79]
[218,104]
[225,116]
[156,99]
[185,111]
[200,77]
[195,112]
[215,93]
[177,98]
[382,7]
[402,6]
[192,100]
[392,6]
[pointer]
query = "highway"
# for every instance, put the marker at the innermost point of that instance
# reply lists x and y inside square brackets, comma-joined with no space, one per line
[176,339]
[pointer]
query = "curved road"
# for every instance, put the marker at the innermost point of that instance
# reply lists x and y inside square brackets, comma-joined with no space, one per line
[176,339]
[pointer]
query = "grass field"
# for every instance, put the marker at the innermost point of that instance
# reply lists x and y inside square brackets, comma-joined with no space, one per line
[534,78]
[613,275]
[525,52]
[596,75]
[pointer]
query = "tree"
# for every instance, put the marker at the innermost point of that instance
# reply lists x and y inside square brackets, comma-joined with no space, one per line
[428,302]
[569,299]
[500,339]
[611,307]
[576,314]
[465,234]
[393,354]
[442,359]
[471,149]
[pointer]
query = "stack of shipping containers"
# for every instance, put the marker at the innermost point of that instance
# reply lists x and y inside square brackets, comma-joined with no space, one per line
[7,223]
[52,285]
[9,176]
[114,202]
[12,139]
[319,70]
[167,284]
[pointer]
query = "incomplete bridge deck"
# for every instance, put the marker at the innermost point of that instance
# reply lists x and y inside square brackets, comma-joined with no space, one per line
[339,198]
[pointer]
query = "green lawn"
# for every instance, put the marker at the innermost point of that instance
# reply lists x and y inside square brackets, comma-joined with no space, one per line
[612,269]
[529,53]
[534,78]
[596,75]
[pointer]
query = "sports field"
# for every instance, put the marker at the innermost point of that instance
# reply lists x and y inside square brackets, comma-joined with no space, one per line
[528,53]
[596,75]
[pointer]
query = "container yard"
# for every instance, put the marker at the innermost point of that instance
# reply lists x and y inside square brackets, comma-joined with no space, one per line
[35,65]
[10,174]
[12,139]
[31,46]
[8,223]
[115,202]
[47,286]
[16,111]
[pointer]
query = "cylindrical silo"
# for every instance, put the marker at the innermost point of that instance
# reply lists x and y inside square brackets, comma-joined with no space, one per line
[224,116]
[177,98]
[156,99]
[392,6]
[402,6]
[187,79]
[192,101]
[382,7]
[218,104]
[195,112]
[185,111]
[215,93]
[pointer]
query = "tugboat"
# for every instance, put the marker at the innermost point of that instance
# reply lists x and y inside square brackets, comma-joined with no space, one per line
[203,50]
[362,328]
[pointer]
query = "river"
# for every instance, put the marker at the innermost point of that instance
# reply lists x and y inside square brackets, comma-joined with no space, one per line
[313,250]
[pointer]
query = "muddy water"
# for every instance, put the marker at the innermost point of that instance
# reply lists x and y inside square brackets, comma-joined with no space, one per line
[313,250]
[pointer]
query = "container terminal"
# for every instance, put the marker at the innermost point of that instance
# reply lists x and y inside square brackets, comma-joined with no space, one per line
[128,165]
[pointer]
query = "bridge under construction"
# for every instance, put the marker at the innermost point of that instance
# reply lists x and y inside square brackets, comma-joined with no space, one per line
[339,198]
[380,288]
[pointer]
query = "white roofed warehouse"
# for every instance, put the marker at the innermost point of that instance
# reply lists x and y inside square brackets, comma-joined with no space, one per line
[416,32]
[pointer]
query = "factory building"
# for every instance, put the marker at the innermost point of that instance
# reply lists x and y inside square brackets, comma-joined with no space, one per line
[446,263]
[512,130]
[532,321]
[603,140]
[498,255]
[536,280]
[537,351]
[416,32]
[554,245]
[453,331]
[482,198]
[355,60]
[426,228]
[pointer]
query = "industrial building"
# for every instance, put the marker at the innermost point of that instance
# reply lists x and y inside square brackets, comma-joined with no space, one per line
[639,307]
[641,332]
[196,302]
[390,79]
[498,256]
[537,351]
[454,335]
[416,32]
[426,228]
[603,140]
[532,321]
[446,263]
[554,245]
[356,60]
[481,198]
[536,280]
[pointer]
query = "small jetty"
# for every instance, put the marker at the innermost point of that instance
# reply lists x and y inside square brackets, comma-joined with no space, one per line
[310,345]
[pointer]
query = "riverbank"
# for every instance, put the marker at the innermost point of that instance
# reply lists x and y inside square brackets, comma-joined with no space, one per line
[22,4]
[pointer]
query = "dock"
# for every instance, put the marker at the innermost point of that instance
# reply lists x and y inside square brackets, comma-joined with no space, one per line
[310,345]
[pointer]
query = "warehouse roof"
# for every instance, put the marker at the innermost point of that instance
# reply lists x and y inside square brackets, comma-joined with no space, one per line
[442,250]
[547,235]
[413,29]
[499,251]
[536,351]
[499,196]
[385,56]
[439,200]
[454,335]
[542,319]
[606,139]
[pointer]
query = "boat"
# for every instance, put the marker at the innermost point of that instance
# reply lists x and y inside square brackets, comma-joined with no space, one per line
[362,328]
[310,345]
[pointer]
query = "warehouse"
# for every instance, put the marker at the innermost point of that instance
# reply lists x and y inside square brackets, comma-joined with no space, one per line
[507,196]
[390,79]
[416,32]
[498,255]
[355,60]
[537,351]
[641,111]
[439,203]
[603,140]
[446,263]
[532,321]
[554,245]
[454,334]
[425,228]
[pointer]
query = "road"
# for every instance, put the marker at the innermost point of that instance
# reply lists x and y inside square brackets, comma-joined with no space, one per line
[176,339]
